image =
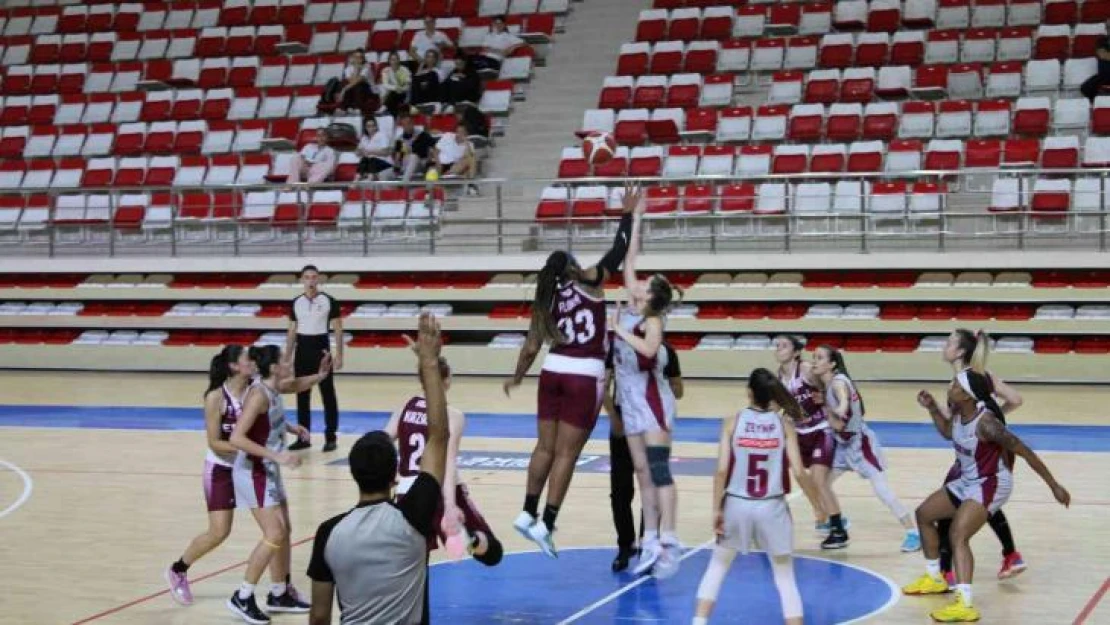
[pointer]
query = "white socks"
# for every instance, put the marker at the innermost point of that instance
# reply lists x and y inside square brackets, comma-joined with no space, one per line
[932,567]
[277,589]
[791,599]
[700,620]
[965,590]
[246,591]
[669,539]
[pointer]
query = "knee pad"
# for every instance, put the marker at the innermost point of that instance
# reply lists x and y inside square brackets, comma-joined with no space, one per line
[659,463]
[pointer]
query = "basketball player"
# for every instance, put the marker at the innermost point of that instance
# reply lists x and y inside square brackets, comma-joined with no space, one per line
[815,437]
[259,435]
[460,517]
[621,471]
[982,487]
[648,410]
[569,312]
[966,349]
[749,492]
[229,376]
[857,447]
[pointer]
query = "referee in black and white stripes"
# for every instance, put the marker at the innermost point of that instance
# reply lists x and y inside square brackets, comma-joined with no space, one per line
[307,340]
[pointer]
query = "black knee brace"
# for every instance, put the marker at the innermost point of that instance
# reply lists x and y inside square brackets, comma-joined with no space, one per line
[659,463]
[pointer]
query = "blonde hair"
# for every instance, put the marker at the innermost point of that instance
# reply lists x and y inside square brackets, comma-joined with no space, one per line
[976,349]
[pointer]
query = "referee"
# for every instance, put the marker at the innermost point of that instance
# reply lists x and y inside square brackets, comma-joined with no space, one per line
[307,340]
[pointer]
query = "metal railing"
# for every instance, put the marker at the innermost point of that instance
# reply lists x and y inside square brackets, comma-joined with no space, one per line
[441,218]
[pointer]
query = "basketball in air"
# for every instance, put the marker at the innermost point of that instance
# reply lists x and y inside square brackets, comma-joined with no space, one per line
[598,148]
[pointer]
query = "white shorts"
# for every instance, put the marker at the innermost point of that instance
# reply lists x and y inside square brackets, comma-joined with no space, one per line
[862,453]
[643,420]
[992,492]
[766,521]
[257,483]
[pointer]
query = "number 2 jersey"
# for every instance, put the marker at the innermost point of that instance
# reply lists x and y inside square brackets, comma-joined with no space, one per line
[758,464]
[580,318]
[412,436]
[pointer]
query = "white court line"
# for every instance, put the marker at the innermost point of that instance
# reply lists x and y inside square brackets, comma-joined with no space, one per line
[623,589]
[28,487]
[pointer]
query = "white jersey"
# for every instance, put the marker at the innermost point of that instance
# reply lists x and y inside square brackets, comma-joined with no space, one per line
[759,462]
[645,396]
[258,481]
[854,419]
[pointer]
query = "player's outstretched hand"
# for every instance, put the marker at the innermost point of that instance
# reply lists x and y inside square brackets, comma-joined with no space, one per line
[633,200]
[326,363]
[719,523]
[427,339]
[289,460]
[1062,495]
[508,386]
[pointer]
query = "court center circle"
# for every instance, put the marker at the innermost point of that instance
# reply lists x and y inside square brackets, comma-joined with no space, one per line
[530,587]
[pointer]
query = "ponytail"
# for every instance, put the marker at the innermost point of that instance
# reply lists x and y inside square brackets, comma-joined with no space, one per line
[978,385]
[975,347]
[265,357]
[766,388]
[219,370]
[547,283]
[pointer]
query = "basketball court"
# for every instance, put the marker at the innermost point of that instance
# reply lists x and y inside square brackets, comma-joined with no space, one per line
[100,489]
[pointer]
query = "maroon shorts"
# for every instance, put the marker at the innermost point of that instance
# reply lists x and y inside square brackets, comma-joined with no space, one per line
[817,447]
[570,398]
[219,488]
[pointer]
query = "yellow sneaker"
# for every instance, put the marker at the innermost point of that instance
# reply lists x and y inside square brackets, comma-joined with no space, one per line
[956,612]
[926,585]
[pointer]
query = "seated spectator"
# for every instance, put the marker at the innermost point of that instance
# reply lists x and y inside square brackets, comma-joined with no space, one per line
[374,151]
[429,39]
[454,156]
[475,121]
[463,84]
[396,80]
[426,89]
[316,161]
[411,148]
[498,44]
[354,90]
[1101,79]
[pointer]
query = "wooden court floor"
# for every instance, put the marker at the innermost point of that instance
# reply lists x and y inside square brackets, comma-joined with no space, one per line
[110,508]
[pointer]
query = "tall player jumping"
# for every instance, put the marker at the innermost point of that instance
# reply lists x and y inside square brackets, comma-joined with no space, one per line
[568,311]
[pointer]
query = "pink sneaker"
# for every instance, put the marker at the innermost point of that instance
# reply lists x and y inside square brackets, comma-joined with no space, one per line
[950,578]
[179,587]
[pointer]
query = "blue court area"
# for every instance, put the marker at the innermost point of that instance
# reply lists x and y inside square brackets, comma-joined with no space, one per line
[579,588]
[1042,437]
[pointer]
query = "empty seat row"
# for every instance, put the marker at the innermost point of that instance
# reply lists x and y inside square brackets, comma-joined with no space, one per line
[677,91]
[845,198]
[149,211]
[1049,196]
[62,309]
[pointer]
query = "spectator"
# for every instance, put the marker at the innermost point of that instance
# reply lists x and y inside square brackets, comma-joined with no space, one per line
[354,90]
[498,44]
[475,120]
[316,161]
[429,39]
[1093,85]
[454,156]
[463,84]
[374,151]
[411,148]
[396,80]
[426,88]
[374,557]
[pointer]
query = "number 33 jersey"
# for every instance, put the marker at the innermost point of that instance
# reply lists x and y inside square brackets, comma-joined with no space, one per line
[580,318]
[759,462]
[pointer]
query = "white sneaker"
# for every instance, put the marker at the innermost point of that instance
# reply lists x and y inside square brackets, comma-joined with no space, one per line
[668,562]
[540,535]
[649,555]
[523,522]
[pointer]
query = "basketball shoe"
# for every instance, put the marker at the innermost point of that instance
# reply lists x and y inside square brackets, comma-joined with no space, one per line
[179,587]
[926,585]
[247,609]
[1012,566]
[956,612]
[289,602]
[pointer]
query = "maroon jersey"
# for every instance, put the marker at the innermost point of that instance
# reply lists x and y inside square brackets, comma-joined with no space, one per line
[233,407]
[806,394]
[581,321]
[412,435]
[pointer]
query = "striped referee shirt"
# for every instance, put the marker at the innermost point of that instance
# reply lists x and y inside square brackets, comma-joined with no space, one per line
[314,314]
